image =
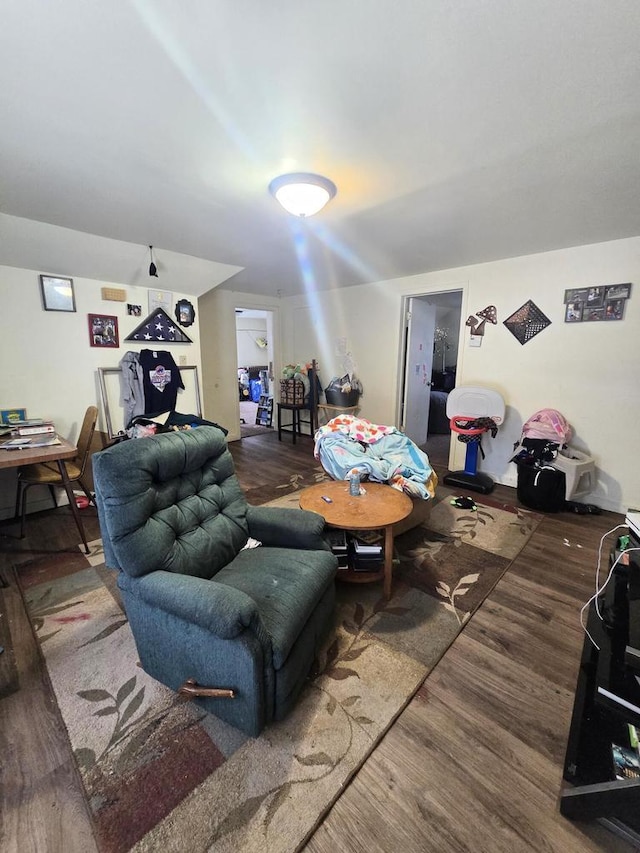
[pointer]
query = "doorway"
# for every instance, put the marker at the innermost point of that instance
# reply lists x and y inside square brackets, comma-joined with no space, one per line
[428,368]
[254,345]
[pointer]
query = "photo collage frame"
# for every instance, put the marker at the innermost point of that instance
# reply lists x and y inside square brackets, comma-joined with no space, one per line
[594,304]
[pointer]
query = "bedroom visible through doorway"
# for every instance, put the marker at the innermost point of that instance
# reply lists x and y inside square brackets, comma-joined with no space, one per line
[254,344]
[428,369]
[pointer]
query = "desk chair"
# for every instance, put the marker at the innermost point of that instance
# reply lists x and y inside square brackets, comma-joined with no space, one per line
[48,474]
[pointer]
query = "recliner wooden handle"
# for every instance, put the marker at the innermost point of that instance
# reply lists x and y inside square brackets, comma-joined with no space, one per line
[191,688]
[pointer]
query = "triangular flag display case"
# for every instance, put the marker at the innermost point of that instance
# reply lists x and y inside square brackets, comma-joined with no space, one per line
[159,327]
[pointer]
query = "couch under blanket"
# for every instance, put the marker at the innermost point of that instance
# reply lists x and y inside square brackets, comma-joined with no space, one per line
[379,453]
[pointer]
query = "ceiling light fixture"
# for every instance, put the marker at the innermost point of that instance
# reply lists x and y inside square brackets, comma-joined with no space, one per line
[153,270]
[302,193]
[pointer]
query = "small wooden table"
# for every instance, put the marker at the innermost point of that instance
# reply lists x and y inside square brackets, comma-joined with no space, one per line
[379,508]
[51,453]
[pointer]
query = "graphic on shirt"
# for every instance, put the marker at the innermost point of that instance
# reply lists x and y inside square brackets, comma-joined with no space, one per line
[160,378]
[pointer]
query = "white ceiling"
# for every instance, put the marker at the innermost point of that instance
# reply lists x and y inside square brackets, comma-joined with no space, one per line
[456,132]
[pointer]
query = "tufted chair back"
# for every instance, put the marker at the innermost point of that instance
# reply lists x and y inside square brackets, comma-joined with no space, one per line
[170,502]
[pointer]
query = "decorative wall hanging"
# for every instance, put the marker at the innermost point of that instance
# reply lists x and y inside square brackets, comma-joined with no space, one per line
[103,331]
[591,304]
[113,294]
[159,327]
[134,310]
[527,322]
[488,314]
[185,312]
[57,293]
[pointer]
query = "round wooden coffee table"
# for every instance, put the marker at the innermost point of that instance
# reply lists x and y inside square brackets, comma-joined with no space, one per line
[378,509]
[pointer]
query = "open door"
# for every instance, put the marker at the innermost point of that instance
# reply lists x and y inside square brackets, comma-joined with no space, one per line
[419,332]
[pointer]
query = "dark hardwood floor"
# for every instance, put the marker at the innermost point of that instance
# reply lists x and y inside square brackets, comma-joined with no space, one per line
[473,763]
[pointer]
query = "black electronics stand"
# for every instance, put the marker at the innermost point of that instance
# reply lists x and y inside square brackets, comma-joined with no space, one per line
[607,702]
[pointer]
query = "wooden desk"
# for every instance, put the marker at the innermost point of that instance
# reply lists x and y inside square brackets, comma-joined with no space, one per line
[379,508]
[52,453]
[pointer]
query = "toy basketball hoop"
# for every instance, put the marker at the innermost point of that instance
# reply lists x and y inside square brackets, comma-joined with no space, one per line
[473,411]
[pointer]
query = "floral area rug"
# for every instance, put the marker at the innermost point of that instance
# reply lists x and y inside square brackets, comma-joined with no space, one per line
[160,773]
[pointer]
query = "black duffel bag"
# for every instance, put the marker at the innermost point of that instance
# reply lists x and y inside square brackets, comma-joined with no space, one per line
[541,488]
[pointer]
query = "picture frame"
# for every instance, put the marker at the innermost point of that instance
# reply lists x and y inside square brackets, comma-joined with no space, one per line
[593,315]
[12,416]
[618,291]
[57,293]
[576,294]
[103,331]
[614,309]
[134,310]
[574,312]
[595,297]
[185,312]
[160,299]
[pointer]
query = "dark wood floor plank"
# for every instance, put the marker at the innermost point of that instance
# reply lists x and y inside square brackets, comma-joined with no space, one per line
[43,806]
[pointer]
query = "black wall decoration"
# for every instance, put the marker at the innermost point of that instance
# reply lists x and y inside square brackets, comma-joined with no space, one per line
[185,312]
[527,322]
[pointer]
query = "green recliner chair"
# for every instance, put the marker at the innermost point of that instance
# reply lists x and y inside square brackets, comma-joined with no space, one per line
[236,628]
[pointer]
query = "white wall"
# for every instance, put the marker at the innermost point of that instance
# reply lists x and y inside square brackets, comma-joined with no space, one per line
[247,331]
[586,370]
[48,366]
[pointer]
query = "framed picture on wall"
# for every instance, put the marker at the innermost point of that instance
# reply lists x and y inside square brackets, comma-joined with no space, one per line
[103,331]
[618,291]
[595,297]
[185,313]
[574,311]
[576,294]
[57,293]
[160,299]
[614,309]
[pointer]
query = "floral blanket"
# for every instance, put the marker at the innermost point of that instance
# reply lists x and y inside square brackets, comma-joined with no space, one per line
[382,454]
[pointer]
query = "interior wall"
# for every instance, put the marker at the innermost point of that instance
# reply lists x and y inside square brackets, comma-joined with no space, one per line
[586,370]
[248,330]
[49,367]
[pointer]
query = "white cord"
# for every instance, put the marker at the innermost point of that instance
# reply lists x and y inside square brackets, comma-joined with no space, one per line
[600,590]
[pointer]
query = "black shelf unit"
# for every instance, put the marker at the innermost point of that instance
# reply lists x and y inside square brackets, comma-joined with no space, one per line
[607,701]
[264,412]
[344,546]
